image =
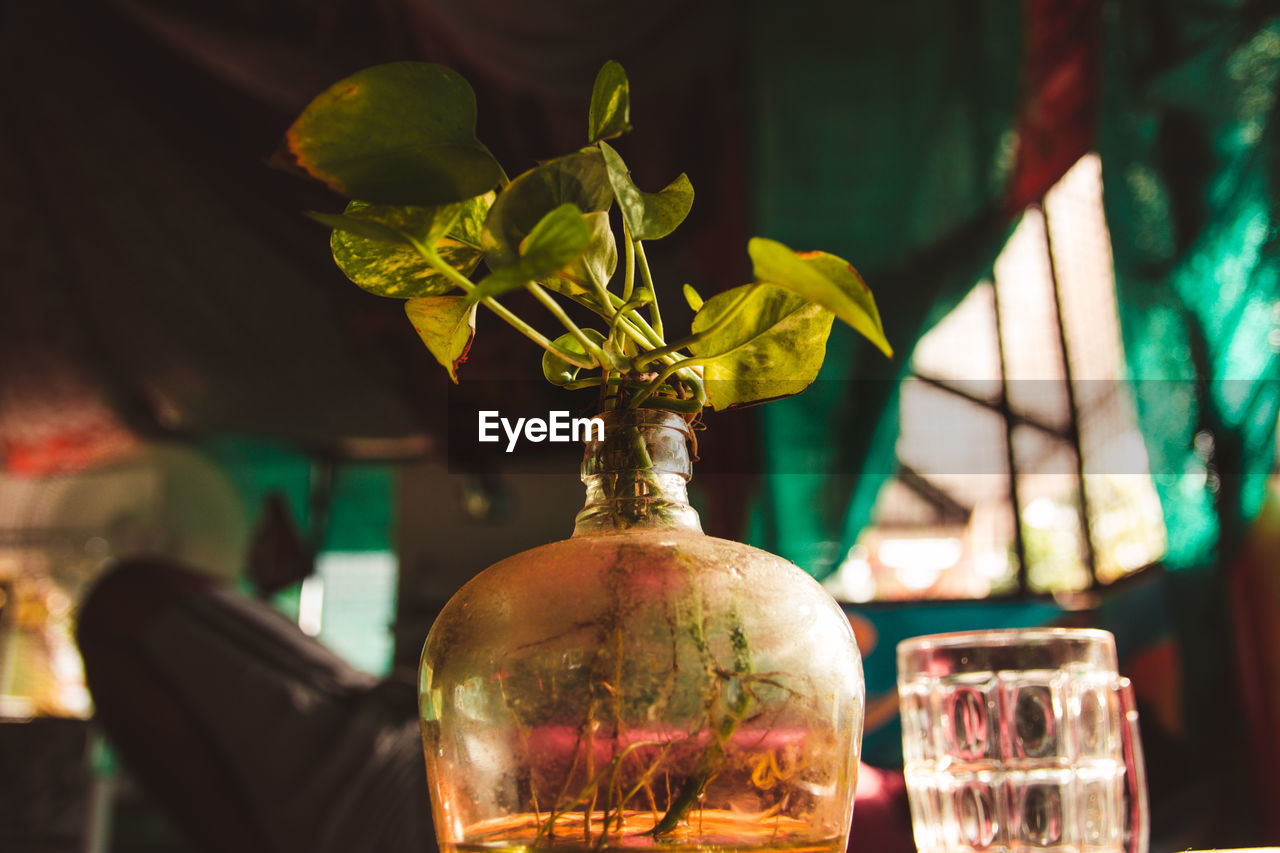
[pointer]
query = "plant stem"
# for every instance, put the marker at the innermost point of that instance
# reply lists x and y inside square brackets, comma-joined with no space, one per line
[592,382]
[429,255]
[642,333]
[663,377]
[635,327]
[635,332]
[640,361]
[605,306]
[721,732]
[652,337]
[629,274]
[590,346]
[622,313]
[645,276]
[638,330]
[709,766]
[646,335]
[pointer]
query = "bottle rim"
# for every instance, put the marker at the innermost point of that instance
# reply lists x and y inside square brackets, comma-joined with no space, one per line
[646,417]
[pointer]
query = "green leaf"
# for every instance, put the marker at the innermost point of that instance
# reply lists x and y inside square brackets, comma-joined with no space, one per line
[596,264]
[556,241]
[470,220]
[395,223]
[772,347]
[579,179]
[648,215]
[691,296]
[610,112]
[366,229]
[824,278]
[447,325]
[401,133]
[557,370]
[395,269]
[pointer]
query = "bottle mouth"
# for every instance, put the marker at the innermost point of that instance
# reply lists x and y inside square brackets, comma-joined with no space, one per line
[639,440]
[645,418]
[635,473]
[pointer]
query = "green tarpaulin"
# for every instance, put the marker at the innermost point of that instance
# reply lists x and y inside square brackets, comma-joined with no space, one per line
[901,161]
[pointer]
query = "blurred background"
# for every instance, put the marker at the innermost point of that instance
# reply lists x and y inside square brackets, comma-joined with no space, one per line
[1067,210]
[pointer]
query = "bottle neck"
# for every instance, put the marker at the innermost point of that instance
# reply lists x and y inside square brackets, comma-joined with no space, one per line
[636,476]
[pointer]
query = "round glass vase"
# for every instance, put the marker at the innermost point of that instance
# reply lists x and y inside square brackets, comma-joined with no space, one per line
[641,684]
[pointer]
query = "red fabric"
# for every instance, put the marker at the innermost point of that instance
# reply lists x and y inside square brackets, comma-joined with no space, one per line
[881,817]
[63,448]
[1254,583]
[1059,107]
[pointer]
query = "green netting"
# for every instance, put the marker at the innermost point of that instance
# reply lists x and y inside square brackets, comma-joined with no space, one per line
[361,512]
[1190,157]
[883,133]
[886,134]
[358,579]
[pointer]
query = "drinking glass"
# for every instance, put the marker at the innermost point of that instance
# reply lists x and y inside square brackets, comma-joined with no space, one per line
[1021,740]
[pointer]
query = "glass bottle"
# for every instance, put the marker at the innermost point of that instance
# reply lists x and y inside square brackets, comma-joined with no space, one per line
[641,684]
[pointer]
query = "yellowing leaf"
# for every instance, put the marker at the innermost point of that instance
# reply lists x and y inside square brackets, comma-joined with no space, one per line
[447,325]
[772,345]
[823,278]
[399,133]
[395,269]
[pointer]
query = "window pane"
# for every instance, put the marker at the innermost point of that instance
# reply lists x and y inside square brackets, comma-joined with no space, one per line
[945,526]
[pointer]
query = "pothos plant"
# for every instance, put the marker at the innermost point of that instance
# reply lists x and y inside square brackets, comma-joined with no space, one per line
[429,203]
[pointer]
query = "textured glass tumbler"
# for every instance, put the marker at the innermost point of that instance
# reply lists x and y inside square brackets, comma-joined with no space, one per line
[1021,740]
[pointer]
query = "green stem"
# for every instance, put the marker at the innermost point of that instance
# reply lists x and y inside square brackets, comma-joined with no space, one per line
[622,312]
[607,306]
[663,377]
[629,274]
[635,327]
[649,337]
[631,331]
[645,276]
[429,255]
[642,333]
[655,340]
[683,406]
[590,346]
[612,380]
[635,332]
[638,330]
[708,767]
[642,360]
